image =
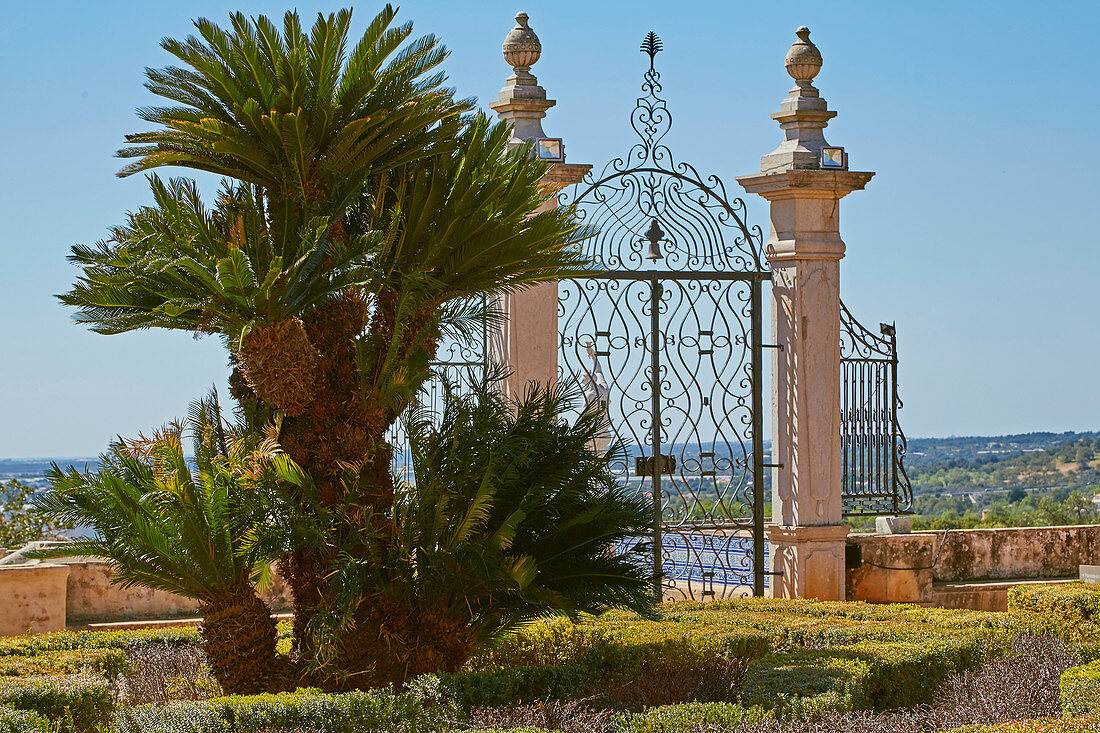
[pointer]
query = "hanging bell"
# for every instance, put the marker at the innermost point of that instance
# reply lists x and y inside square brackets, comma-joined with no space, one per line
[654,234]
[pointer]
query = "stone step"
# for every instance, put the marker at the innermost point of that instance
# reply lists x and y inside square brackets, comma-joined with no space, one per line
[165,623]
[983,595]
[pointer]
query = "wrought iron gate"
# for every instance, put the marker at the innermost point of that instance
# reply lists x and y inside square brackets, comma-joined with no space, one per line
[668,336]
[872,443]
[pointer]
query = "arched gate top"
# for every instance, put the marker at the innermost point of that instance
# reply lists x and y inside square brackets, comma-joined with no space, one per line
[655,213]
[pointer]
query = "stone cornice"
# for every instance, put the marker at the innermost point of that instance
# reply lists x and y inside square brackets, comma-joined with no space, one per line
[777,533]
[805,183]
[563,174]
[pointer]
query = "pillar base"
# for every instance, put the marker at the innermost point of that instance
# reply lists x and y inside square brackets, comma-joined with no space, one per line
[808,562]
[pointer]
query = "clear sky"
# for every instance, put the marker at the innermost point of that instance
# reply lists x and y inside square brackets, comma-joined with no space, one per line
[978,234]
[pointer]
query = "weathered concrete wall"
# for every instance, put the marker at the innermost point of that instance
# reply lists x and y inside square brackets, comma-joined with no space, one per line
[914,552]
[1017,552]
[33,598]
[974,568]
[92,597]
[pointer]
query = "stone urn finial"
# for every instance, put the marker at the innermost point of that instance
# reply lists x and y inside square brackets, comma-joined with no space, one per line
[803,61]
[521,47]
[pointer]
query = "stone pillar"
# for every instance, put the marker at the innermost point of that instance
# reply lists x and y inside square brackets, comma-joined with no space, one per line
[527,342]
[803,180]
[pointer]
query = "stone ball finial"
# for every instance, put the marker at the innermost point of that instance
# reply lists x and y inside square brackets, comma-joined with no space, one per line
[803,61]
[521,46]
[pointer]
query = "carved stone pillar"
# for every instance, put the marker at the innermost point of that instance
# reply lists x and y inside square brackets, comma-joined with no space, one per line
[527,341]
[804,180]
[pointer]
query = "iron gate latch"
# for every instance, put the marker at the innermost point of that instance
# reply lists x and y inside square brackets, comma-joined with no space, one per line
[643,465]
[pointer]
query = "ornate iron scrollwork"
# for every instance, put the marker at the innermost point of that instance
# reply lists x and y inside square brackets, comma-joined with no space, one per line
[873,445]
[671,327]
[702,228]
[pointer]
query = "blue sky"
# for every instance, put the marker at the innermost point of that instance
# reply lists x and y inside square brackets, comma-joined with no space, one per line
[977,235]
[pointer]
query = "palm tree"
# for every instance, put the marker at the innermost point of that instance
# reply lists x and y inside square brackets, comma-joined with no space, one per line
[162,524]
[365,211]
[515,515]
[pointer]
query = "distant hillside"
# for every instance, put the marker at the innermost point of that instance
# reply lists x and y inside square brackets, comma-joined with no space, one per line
[938,451]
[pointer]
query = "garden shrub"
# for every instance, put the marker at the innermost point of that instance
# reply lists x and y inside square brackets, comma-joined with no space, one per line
[103,661]
[22,721]
[378,711]
[27,645]
[621,645]
[512,685]
[1070,611]
[865,675]
[686,717]
[1084,724]
[76,703]
[828,656]
[1079,689]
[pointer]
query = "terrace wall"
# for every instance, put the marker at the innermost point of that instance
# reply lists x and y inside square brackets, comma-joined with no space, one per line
[966,568]
[42,597]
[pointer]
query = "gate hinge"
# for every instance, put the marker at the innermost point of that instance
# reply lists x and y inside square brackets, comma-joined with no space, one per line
[643,465]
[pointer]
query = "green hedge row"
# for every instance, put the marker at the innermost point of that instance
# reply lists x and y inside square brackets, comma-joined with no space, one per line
[29,645]
[1070,610]
[421,710]
[1085,724]
[621,645]
[1079,689]
[860,676]
[22,721]
[102,661]
[810,657]
[73,704]
[692,715]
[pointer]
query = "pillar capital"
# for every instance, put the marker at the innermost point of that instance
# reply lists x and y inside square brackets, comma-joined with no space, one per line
[560,175]
[794,183]
[526,341]
[522,101]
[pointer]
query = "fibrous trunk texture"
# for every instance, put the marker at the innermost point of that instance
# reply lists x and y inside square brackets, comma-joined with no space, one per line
[280,364]
[397,640]
[239,638]
[341,424]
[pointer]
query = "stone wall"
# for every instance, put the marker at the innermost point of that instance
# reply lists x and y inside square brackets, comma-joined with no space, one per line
[91,597]
[966,568]
[33,598]
[41,597]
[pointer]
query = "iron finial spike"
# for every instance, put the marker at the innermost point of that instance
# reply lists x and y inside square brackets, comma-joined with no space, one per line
[651,45]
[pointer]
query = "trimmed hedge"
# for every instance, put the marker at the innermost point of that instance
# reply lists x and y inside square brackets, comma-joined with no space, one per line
[860,676]
[22,721]
[515,685]
[809,657]
[689,716]
[620,645]
[107,662]
[421,710]
[1085,724]
[76,703]
[1070,611]
[1079,689]
[29,645]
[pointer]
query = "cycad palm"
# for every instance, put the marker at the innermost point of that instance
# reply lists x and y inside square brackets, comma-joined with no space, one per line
[165,525]
[515,515]
[363,215]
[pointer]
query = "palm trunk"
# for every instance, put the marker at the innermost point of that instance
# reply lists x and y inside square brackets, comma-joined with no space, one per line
[239,638]
[344,425]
